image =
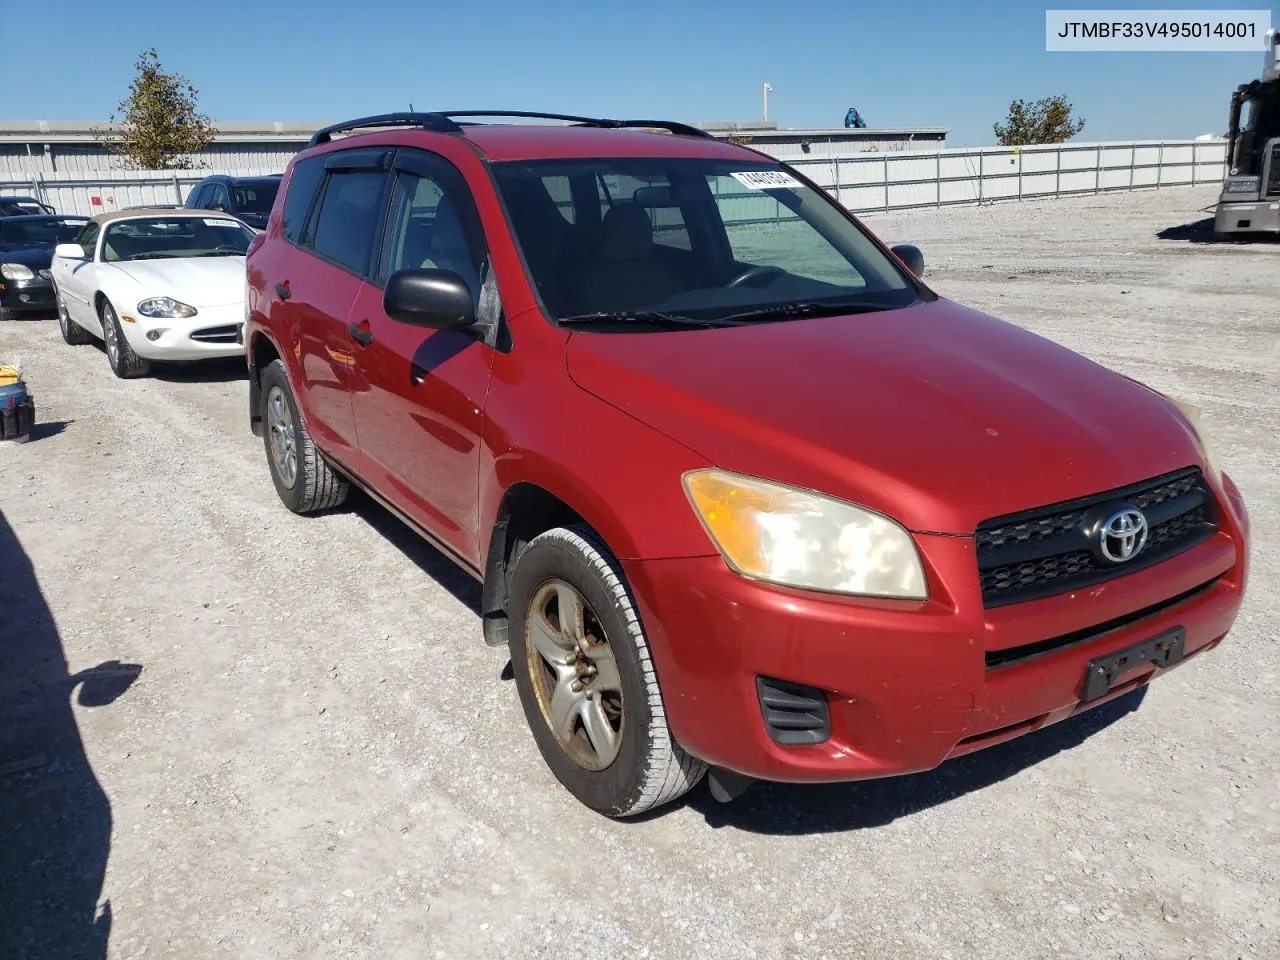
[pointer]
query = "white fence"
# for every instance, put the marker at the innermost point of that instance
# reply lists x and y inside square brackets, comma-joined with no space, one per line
[862,182]
[89,194]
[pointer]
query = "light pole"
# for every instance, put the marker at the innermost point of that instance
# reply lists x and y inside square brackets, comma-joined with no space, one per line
[765,91]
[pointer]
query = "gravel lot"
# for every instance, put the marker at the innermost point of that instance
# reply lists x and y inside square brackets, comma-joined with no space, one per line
[319,757]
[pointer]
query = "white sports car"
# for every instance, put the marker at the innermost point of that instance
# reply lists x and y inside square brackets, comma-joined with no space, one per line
[154,285]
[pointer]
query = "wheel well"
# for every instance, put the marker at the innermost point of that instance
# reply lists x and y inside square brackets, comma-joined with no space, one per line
[99,299]
[264,354]
[527,510]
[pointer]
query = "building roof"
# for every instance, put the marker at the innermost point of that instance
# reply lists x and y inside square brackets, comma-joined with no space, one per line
[86,131]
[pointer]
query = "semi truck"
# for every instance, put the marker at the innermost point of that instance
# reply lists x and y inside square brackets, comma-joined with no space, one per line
[1250,198]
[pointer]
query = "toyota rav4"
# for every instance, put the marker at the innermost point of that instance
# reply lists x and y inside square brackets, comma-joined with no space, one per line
[743,494]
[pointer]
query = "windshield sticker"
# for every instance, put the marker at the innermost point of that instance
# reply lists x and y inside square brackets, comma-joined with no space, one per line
[221,223]
[767,180]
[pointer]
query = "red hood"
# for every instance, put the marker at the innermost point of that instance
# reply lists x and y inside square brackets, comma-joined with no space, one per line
[936,415]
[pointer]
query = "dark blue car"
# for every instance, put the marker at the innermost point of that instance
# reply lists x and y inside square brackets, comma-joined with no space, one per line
[26,251]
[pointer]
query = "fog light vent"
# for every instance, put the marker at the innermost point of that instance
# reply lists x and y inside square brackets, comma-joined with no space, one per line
[793,713]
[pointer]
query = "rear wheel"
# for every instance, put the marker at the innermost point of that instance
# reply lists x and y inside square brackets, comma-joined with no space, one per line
[304,481]
[72,332]
[587,681]
[125,364]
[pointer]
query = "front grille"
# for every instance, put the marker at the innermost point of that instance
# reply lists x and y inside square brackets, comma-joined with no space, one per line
[230,333]
[793,713]
[1054,549]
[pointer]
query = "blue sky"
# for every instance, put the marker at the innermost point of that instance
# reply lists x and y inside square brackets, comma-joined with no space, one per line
[906,63]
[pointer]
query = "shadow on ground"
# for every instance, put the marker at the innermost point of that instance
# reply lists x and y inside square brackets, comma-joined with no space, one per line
[1201,231]
[55,819]
[49,428]
[219,370]
[431,561]
[785,809]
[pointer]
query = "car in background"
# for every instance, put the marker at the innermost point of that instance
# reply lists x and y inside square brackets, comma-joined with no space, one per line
[745,497]
[26,251]
[163,285]
[23,207]
[248,198]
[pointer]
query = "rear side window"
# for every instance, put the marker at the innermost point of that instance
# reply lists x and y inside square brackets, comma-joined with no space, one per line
[348,217]
[197,196]
[297,201]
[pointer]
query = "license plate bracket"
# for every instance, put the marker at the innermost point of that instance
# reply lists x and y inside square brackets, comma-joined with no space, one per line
[1163,650]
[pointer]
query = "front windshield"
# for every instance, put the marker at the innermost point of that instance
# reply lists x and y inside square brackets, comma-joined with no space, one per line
[40,231]
[696,238]
[154,238]
[254,196]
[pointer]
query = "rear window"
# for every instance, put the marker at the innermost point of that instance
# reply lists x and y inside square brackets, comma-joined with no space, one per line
[254,196]
[348,217]
[307,175]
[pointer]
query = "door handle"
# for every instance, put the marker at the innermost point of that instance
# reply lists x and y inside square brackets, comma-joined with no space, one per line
[282,290]
[360,333]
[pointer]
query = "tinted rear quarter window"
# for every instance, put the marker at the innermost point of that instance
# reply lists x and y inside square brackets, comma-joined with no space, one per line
[297,199]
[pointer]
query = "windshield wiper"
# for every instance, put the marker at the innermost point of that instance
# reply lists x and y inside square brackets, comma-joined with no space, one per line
[805,308]
[657,318]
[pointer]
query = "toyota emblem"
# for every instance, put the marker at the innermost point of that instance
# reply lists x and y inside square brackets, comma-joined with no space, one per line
[1123,535]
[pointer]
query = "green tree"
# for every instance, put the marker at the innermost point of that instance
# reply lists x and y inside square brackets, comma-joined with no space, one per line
[1044,121]
[160,123]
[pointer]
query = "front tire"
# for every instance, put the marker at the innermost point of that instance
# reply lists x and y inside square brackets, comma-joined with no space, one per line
[72,332]
[587,681]
[125,364]
[304,481]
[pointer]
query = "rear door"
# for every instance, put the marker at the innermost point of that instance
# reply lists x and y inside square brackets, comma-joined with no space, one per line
[319,282]
[420,393]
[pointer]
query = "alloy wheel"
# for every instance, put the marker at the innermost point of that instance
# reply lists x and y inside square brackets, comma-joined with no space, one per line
[284,441]
[575,676]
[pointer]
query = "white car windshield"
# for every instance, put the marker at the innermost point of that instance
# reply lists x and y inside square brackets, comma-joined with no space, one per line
[168,237]
[679,239]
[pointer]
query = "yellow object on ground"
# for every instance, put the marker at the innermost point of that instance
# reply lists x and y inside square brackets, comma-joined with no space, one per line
[9,374]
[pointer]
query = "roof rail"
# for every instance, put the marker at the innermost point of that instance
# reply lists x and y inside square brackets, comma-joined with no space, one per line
[682,129]
[436,122]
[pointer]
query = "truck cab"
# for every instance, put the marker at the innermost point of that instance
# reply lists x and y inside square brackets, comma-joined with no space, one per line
[1250,198]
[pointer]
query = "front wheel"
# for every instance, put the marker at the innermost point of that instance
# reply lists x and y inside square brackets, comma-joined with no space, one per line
[587,681]
[125,364]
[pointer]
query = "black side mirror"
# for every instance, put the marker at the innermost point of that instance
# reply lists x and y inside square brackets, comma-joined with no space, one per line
[429,298]
[910,255]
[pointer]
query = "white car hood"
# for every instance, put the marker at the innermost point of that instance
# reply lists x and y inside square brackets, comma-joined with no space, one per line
[198,281]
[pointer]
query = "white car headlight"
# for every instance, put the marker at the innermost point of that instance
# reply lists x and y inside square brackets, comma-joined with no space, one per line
[167,308]
[798,538]
[16,271]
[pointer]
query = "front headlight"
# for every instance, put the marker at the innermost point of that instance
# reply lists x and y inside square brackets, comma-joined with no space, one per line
[166,308]
[16,271]
[802,539]
[1191,413]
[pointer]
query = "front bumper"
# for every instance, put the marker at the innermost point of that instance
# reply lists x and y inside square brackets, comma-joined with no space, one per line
[908,685]
[33,295]
[212,332]
[1258,216]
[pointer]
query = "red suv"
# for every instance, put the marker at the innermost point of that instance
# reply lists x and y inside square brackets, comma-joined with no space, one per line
[744,495]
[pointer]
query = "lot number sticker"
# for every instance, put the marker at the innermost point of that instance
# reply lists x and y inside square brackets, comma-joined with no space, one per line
[767,180]
[221,223]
